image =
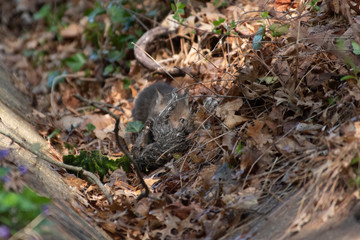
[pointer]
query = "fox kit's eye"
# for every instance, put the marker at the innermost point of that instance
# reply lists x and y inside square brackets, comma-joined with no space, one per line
[181,120]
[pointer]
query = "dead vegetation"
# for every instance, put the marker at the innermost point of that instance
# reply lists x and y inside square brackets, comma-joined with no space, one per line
[270,120]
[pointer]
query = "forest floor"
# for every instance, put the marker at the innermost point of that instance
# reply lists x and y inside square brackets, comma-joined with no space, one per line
[284,80]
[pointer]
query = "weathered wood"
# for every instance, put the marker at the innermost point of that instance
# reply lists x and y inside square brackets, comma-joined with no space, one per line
[14,121]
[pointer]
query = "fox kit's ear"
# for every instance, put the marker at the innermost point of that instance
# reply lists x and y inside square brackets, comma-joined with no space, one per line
[159,97]
[186,97]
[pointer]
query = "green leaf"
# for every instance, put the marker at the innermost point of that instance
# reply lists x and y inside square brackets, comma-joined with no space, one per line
[108,69]
[264,15]
[118,15]
[340,43]
[347,77]
[69,146]
[10,200]
[269,79]
[56,131]
[177,156]
[90,127]
[134,127]
[219,21]
[180,5]
[98,10]
[217,31]
[43,12]
[152,13]
[356,47]
[76,61]
[52,76]
[257,42]
[278,30]
[126,83]
[18,209]
[113,56]
[173,7]
[333,100]
[357,181]
[34,197]
[239,148]
[355,161]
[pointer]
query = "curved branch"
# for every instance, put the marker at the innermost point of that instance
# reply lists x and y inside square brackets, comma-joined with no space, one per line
[141,49]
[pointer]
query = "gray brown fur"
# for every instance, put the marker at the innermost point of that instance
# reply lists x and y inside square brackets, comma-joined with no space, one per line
[168,123]
[153,100]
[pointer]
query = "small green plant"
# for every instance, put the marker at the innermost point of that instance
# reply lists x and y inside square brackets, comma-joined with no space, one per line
[257,42]
[178,10]
[333,100]
[76,61]
[264,15]
[52,17]
[239,148]
[355,76]
[90,127]
[112,43]
[220,3]
[349,62]
[229,27]
[356,47]
[278,30]
[217,23]
[55,132]
[126,83]
[69,146]
[134,127]
[108,69]
[17,209]
[313,5]
[268,79]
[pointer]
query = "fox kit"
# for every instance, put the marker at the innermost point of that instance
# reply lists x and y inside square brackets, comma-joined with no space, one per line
[152,100]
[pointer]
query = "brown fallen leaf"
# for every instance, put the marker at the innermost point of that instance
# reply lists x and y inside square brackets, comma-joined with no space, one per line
[229,140]
[72,31]
[227,113]
[258,134]
[288,146]
[284,5]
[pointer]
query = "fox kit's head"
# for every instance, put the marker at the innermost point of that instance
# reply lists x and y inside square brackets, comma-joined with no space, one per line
[180,114]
